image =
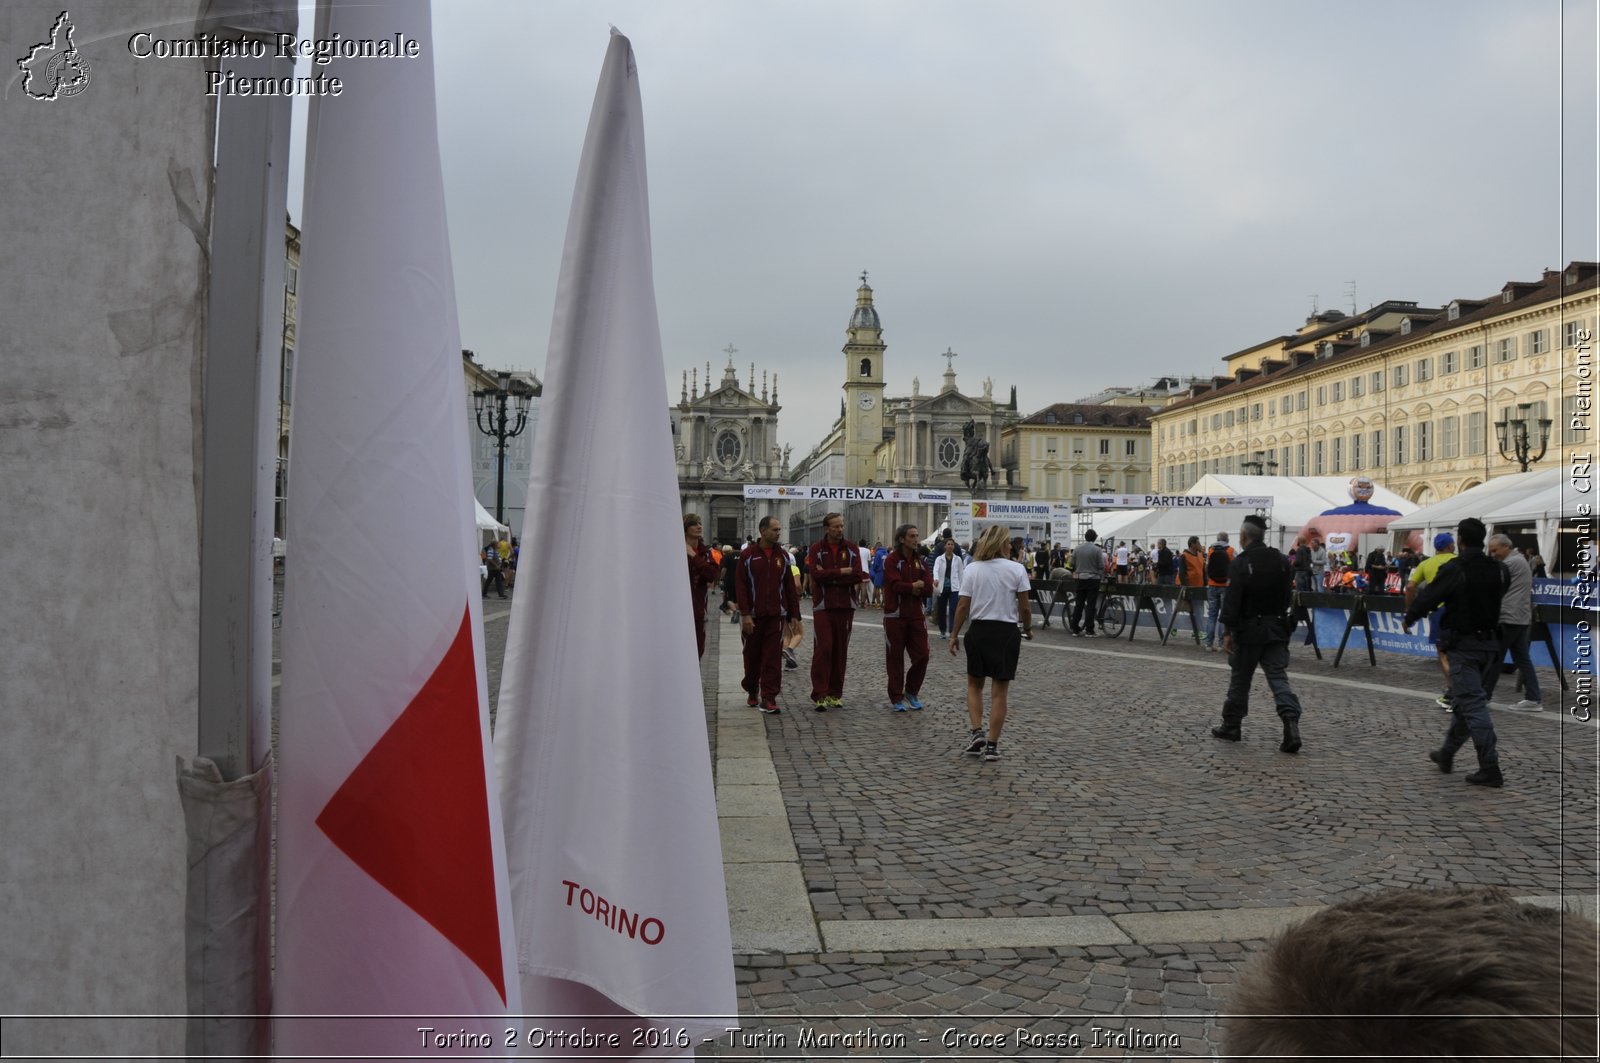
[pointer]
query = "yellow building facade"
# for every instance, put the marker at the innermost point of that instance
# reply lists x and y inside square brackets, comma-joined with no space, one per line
[1408,395]
[1068,449]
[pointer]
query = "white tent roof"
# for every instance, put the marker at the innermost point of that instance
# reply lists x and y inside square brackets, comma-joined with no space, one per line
[486,521]
[1520,498]
[1295,501]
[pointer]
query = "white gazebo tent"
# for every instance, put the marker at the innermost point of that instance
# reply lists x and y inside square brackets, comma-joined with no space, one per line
[486,521]
[1541,499]
[1296,501]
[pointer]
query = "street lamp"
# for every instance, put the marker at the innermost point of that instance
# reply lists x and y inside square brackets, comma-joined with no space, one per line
[495,421]
[1513,431]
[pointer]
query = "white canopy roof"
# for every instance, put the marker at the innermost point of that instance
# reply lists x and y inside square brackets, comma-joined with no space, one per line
[486,521]
[1296,500]
[1520,498]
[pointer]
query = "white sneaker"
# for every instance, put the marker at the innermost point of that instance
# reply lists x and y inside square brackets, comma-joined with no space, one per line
[1526,706]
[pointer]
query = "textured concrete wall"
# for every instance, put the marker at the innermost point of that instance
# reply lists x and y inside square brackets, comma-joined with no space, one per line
[102,291]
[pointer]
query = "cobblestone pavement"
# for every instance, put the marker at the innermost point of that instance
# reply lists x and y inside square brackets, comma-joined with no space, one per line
[1111,799]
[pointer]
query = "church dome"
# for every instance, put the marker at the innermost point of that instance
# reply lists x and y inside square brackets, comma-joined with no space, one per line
[866,315]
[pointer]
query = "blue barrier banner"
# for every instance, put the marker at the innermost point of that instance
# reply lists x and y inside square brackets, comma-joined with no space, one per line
[1389,636]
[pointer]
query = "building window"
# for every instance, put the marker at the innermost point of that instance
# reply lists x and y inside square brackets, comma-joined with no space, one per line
[1300,400]
[1425,441]
[1538,341]
[1475,437]
[1449,437]
[1355,451]
[1400,444]
[1424,369]
[949,453]
[1228,419]
[1288,404]
[1377,382]
[866,367]
[1300,459]
[1077,448]
[728,448]
[1377,448]
[1322,395]
[1216,422]
[1400,376]
[1105,448]
[1356,387]
[1475,356]
[291,278]
[1506,350]
[1574,335]
[287,374]
[1131,447]
[1338,453]
[1255,411]
[1450,363]
[1575,422]
[1283,460]
[1338,391]
[1318,456]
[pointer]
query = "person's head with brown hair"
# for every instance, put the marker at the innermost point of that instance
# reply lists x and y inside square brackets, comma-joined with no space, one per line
[1454,974]
[994,542]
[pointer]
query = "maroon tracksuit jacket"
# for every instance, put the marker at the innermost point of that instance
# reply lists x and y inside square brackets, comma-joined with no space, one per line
[905,626]
[766,593]
[835,573]
[703,573]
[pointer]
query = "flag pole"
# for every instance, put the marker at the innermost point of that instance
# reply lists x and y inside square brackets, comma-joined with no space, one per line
[225,790]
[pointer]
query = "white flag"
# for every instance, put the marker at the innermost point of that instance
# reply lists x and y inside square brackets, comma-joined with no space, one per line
[392,888]
[611,823]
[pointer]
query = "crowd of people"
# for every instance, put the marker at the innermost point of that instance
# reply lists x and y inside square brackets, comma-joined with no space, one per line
[1482,596]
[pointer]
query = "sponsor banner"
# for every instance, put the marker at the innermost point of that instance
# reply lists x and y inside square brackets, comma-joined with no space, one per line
[1034,512]
[1562,592]
[846,494]
[1110,501]
[1390,636]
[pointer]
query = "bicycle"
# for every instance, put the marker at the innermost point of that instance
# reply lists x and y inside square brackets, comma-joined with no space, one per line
[1111,615]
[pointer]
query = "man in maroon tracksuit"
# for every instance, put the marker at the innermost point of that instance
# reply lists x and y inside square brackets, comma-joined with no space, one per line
[834,563]
[905,621]
[703,572]
[767,600]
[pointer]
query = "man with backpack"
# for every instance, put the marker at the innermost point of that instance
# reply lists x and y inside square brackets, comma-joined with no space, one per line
[1471,587]
[1218,560]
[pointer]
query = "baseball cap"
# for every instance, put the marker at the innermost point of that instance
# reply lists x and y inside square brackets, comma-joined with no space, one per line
[1443,541]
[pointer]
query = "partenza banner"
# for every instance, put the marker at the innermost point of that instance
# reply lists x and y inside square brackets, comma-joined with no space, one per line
[845,494]
[1036,512]
[1176,501]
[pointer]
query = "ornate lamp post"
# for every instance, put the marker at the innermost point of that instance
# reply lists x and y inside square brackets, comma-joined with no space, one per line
[1513,431]
[500,424]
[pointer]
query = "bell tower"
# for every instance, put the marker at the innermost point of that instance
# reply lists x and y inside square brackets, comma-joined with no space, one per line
[863,388]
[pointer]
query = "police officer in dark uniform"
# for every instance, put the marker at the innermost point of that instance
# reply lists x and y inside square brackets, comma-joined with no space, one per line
[1256,629]
[1471,587]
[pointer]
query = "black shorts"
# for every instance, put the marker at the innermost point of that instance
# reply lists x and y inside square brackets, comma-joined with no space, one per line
[993,647]
[1122,570]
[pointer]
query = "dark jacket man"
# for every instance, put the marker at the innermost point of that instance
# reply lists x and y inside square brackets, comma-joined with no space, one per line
[1255,621]
[1470,587]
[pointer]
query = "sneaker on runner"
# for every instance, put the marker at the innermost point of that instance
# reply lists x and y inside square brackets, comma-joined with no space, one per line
[975,742]
[915,703]
[990,752]
[769,706]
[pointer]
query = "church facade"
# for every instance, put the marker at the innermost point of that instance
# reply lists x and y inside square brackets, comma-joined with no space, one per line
[725,437]
[908,441]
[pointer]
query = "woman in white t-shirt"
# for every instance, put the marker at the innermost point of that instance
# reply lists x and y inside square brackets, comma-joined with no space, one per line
[994,596]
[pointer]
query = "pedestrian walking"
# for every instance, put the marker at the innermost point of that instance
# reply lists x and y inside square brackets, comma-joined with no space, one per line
[875,570]
[1192,573]
[1256,628]
[1088,568]
[834,563]
[1166,564]
[767,601]
[1219,561]
[794,630]
[1470,587]
[1319,563]
[994,596]
[495,567]
[1516,622]
[905,625]
[947,569]
[703,573]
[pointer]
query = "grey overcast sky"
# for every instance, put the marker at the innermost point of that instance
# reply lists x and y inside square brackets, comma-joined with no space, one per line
[1071,195]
